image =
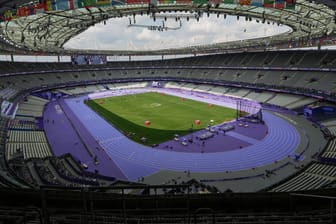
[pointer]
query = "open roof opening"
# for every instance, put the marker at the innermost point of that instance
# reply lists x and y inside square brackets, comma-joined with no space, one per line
[176,30]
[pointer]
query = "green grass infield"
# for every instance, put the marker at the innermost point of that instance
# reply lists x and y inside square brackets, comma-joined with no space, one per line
[158,116]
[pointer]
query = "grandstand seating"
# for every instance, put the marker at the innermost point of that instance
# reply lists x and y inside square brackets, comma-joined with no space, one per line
[281,99]
[22,124]
[36,165]
[62,171]
[315,176]
[33,144]
[329,123]
[7,93]
[33,106]
[203,88]
[238,92]
[317,80]
[260,96]
[6,178]
[24,138]
[233,70]
[332,130]
[329,151]
[300,102]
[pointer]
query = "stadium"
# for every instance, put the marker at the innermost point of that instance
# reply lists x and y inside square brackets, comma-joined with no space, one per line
[238,131]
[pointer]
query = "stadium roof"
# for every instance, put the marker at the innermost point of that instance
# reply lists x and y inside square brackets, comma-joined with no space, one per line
[50,30]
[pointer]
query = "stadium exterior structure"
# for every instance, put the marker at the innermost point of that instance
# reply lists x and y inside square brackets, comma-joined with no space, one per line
[297,73]
[40,28]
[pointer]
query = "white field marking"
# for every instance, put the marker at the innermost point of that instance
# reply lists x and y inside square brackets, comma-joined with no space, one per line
[155,105]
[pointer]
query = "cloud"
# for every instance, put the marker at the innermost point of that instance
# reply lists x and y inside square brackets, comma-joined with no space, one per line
[205,26]
[147,35]
[117,35]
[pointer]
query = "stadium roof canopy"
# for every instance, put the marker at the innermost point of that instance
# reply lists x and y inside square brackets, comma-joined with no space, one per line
[48,30]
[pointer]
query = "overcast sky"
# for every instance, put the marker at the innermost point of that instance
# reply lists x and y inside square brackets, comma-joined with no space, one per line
[116,35]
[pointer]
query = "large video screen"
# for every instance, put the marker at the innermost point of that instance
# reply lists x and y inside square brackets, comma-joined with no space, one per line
[88,59]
